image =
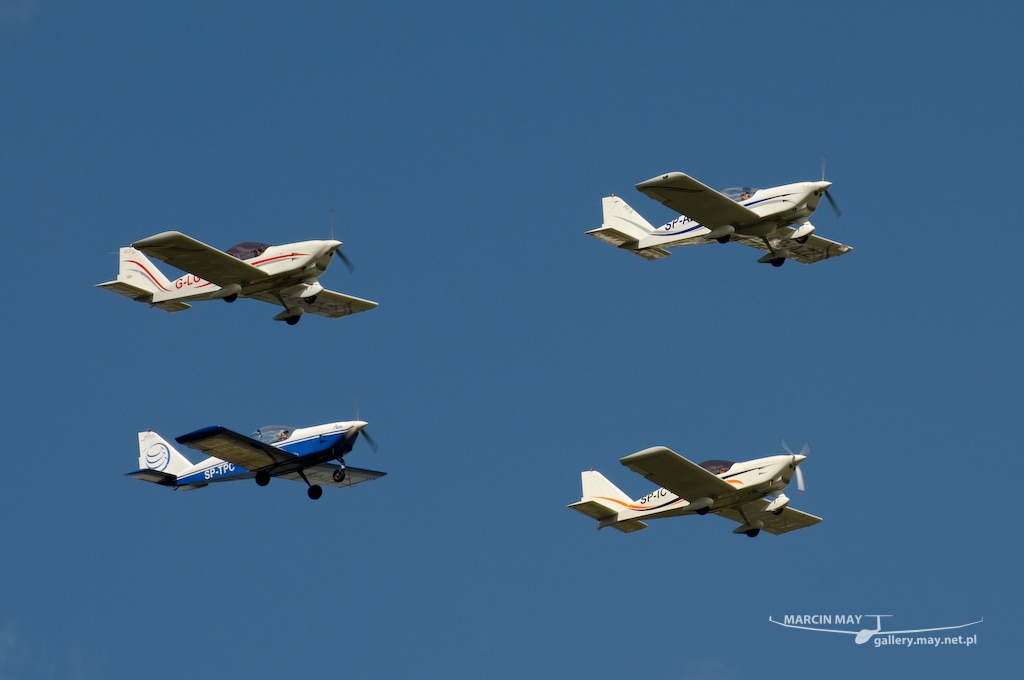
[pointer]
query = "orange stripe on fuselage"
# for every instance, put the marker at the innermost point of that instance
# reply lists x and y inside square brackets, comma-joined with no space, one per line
[635,507]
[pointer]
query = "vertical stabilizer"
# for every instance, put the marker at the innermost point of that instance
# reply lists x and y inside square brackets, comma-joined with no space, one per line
[157,454]
[620,217]
[597,487]
[137,270]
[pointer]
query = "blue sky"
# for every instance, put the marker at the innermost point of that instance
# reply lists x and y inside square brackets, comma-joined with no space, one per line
[465,149]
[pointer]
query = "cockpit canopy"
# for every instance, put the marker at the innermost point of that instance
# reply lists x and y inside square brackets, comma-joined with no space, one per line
[247,250]
[271,434]
[717,467]
[740,194]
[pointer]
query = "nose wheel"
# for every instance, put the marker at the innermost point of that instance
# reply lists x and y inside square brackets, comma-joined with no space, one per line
[339,475]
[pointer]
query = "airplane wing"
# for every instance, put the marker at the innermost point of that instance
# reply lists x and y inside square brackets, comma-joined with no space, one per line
[323,475]
[195,257]
[336,305]
[669,470]
[689,197]
[815,250]
[328,303]
[235,448]
[789,520]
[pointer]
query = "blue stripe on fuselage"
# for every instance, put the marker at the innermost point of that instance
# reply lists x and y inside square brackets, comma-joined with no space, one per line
[317,444]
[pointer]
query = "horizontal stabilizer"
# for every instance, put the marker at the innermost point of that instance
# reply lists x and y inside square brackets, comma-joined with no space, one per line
[127,290]
[629,526]
[154,476]
[593,509]
[626,242]
[608,235]
[171,306]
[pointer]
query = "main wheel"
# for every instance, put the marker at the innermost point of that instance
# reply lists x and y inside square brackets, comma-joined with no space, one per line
[231,298]
[339,475]
[724,239]
[292,320]
[779,262]
[315,491]
[263,478]
[703,511]
[803,239]
[753,532]
[309,300]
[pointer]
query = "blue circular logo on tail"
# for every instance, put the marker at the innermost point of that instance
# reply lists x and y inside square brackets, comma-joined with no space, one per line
[157,457]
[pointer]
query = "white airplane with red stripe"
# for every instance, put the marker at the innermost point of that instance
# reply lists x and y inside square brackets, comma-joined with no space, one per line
[285,275]
[747,492]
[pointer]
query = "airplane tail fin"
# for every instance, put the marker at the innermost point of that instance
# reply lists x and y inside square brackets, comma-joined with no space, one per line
[139,279]
[137,270]
[159,462]
[624,228]
[602,501]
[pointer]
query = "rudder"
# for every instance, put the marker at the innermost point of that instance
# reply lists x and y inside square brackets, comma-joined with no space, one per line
[156,454]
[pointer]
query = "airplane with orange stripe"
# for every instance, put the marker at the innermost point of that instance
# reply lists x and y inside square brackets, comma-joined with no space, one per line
[747,492]
[285,275]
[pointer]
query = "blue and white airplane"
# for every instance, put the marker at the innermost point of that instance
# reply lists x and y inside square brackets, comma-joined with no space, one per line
[314,455]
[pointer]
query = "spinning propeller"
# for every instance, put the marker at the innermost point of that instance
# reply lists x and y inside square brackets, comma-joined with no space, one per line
[831,201]
[803,452]
[341,255]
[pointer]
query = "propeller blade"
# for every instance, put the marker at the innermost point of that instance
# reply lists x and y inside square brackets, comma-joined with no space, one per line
[369,439]
[348,262]
[832,202]
[799,479]
[807,449]
[786,447]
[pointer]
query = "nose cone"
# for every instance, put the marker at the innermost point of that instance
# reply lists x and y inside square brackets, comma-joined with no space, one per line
[359,424]
[823,186]
[332,245]
[799,459]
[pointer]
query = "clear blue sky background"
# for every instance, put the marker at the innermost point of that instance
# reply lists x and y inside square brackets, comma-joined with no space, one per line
[465,149]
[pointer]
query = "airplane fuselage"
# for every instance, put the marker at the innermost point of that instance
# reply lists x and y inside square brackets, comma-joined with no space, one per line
[777,207]
[297,265]
[751,479]
[315,444]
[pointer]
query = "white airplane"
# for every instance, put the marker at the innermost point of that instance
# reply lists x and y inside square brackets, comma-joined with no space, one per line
[303,454]
[736,491]
[283,275]
[775,220]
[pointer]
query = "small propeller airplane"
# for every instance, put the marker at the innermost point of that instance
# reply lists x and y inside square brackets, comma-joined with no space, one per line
[303,454]
[285,275]
[775,220]
[736,491]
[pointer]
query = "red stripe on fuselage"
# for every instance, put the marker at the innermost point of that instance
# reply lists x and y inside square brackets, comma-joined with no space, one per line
[149,274]
[277,257]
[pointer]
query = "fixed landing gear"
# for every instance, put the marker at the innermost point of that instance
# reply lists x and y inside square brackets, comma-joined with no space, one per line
[803,239]
[309,300]
[231,298]
[703,511]
[292,320]
[339,475]
[314,492]
[724,239]
[752,533]
[779,511]
[262,478]
[779,262]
